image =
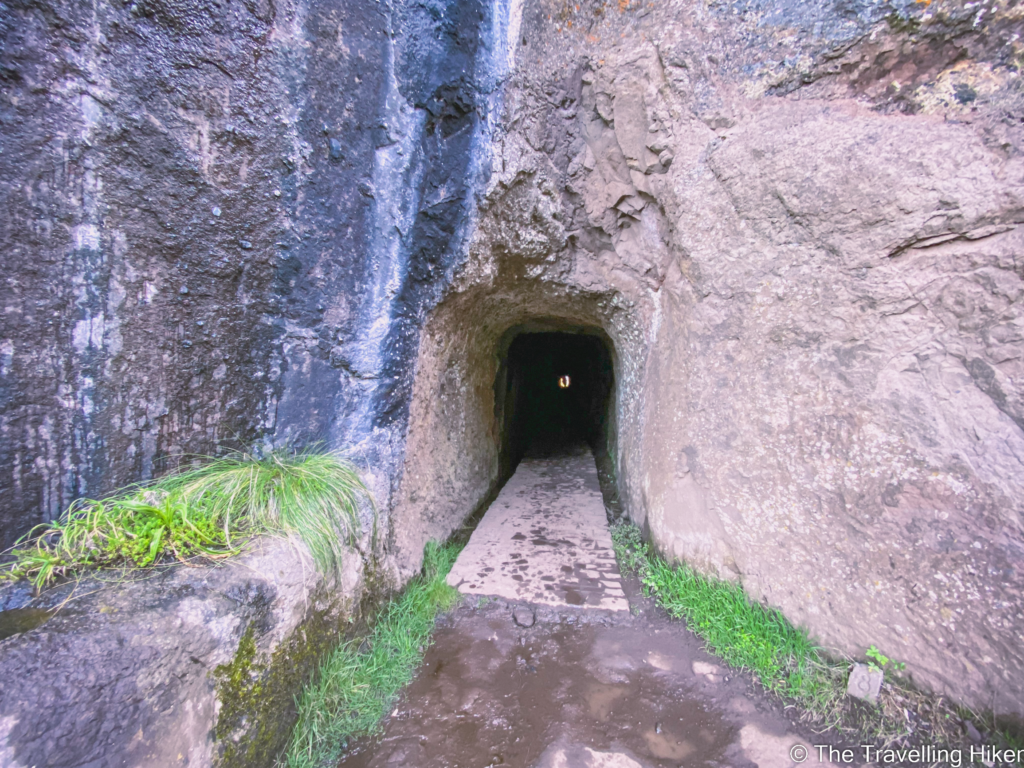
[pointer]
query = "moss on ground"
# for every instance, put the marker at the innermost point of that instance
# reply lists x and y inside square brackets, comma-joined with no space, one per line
[906,25]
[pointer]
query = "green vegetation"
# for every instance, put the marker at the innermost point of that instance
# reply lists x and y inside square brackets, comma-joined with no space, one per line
[744,634]
[208,510]
[878,661]
[257,690]
[359,681]
[783,659]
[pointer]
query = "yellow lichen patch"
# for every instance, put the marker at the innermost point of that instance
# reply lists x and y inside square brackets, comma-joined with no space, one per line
[958,87]
[754,89]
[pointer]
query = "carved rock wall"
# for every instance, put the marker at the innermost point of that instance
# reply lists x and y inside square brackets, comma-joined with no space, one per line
[798,224]
[802,230]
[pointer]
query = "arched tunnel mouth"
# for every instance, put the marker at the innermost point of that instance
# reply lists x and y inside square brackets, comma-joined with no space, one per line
[554,393]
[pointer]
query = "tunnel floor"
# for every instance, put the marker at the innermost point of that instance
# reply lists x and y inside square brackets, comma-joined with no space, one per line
[570,665]
[545,539]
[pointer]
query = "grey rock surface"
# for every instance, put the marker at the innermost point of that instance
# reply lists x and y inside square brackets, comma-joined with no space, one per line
[141,146]
[524,616]
[802,236]
[798,225]
[220,227]
[183,666]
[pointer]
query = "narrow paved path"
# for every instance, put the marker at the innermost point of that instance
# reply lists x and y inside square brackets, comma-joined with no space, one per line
[545,540]
[550,669]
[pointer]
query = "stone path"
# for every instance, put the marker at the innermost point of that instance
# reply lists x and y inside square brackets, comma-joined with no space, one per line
[545,540]
[555,671]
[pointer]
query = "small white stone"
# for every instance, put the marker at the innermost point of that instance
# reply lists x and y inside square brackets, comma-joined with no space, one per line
[865,682]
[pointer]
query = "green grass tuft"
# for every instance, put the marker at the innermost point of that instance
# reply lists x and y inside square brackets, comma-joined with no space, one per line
[359,681]
[786,662]
[208,510]
[745,635]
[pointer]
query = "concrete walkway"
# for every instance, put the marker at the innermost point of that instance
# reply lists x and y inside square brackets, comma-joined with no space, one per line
[545,540]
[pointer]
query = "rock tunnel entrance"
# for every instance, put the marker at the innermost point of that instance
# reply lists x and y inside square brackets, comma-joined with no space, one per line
[544,539]
[553,392]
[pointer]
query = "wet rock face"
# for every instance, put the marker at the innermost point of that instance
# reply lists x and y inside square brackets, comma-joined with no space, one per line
[139,220]
[221,226]
[196,666]
[800,225]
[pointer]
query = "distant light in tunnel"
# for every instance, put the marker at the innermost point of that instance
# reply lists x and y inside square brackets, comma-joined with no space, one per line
[564,382]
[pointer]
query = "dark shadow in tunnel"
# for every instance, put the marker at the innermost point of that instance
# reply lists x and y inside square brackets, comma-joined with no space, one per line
[554,394]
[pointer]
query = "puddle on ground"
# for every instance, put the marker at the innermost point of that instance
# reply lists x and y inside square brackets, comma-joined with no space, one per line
[563,684]
[570,691]
[17,620]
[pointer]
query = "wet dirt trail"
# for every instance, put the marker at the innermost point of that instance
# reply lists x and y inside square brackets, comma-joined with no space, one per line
[532,680]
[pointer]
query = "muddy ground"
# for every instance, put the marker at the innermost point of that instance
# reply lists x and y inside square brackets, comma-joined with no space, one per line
[578,688]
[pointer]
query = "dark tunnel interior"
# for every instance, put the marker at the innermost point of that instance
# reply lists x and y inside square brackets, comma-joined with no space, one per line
[555,393]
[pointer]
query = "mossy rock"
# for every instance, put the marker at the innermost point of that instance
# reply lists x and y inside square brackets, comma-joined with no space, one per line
[257,690]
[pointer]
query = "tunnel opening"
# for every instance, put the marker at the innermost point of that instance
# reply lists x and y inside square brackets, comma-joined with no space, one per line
[554,394]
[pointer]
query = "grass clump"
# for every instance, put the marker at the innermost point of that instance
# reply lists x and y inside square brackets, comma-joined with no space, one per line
[745,635]
[786,662]
[209,510]
[359,681]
